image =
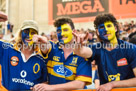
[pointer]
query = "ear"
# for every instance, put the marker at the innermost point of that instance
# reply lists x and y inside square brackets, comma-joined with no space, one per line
[115,29]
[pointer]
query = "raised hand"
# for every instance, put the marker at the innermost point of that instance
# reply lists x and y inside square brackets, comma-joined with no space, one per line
[3,17]
[79,49]
[80,38]
[43,43]
[39,39]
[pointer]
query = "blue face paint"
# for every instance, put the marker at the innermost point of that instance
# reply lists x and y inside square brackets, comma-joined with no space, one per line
[66,32]
[107,32]
[59,35]
[25,35]
[102,31]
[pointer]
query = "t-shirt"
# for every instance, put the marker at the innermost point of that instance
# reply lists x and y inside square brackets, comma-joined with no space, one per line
[117,64]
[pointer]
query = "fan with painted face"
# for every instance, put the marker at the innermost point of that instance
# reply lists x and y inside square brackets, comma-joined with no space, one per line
[27,35]
[107,32]
[64,33]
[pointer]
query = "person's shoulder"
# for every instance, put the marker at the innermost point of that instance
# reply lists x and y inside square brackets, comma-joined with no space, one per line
[2,40]
[126,45]
[38,56]
[54,44]
[6,43]
[126,42]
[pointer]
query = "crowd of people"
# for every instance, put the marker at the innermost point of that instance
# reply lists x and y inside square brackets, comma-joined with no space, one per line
[70,59]
[127,32]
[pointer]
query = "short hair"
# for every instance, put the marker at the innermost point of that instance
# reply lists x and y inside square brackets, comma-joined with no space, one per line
[100,19]
[63,20]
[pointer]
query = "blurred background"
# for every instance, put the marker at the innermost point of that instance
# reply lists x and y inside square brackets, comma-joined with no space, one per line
[82,12]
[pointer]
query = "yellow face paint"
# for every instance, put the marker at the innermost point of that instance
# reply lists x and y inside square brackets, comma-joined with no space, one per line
[66,32]
[27,35]
[31,33]
[110,29]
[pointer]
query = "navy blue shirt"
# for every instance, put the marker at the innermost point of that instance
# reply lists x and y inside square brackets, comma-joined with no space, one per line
[117,64]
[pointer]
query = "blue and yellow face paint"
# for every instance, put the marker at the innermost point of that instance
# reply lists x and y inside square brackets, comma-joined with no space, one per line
[64,31]
[27,36]
[107,31]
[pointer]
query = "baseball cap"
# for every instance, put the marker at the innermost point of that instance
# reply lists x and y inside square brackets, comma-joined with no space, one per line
[30,24]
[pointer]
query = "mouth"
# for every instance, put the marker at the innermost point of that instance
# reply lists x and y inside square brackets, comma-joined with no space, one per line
[64,38]
[28,40]
[106,35]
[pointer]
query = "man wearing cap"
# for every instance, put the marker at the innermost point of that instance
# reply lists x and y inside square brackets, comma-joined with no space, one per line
[21,65]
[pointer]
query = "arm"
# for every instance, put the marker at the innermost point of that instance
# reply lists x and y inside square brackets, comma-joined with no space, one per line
[96,79]
[123,83]
[79,49]
[84,52]
[3,17]
[60,87]
[43,42]
[126,83]
[97,83]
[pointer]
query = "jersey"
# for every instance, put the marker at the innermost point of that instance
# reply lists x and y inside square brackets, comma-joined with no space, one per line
[17,74]
[63,70]
[116,64]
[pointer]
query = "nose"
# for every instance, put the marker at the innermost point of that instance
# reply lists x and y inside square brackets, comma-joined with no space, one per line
[62,33]
[105,28]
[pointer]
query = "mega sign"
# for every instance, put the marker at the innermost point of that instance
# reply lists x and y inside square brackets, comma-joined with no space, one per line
[79,8]
[76,8]
[86,10]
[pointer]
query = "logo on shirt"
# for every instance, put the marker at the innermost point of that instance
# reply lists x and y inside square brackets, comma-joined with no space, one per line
[23,73]
[36,68]
[61,70]
[22,80]
[14,61]
[122,62]
[114,77]
[55,58]
[74,61]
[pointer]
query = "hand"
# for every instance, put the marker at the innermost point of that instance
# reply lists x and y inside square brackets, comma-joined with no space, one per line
[39,39]
[3,17]
[43,87]
[42,42]
[80,38]
[105,87]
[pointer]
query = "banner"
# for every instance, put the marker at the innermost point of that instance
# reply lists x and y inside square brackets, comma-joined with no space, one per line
[123,8]
[86,10]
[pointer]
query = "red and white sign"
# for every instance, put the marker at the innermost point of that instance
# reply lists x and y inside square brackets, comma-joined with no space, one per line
[122,62]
